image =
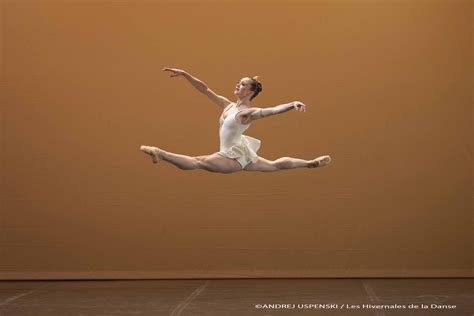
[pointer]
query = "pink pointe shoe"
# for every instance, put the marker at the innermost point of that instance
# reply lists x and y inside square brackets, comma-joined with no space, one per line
[319,162]
[154,152]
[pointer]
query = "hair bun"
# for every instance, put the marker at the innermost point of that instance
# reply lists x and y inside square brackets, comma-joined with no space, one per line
[255,77]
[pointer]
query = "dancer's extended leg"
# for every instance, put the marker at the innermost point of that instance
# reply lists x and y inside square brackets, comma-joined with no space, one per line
[212,163]
[283,163]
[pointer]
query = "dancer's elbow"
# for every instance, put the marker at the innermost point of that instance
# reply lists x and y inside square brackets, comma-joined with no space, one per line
[279,109]
[203,88]
[263,112]
[270,111]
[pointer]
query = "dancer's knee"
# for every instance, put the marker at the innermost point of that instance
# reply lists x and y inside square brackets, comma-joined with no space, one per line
[269,166]
[190,164]
[200,162]
[203,162]
[281,163]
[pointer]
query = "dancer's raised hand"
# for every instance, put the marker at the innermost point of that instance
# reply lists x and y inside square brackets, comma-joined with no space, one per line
[175,72]
[299,106]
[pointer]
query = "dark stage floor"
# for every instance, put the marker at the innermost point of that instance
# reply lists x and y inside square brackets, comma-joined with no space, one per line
[377,297]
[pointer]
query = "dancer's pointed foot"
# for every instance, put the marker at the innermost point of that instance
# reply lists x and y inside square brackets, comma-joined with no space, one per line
[319,162]
[154,152]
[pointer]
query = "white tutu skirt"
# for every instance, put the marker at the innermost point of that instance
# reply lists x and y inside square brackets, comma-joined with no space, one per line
[244,151]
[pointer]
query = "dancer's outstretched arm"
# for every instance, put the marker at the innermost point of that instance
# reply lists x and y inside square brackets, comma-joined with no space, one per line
[200,86]
[253,114]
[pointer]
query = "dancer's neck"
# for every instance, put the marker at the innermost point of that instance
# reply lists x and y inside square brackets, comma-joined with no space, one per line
[242,103]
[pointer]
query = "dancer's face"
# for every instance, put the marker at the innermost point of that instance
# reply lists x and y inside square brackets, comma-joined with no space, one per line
[242,88]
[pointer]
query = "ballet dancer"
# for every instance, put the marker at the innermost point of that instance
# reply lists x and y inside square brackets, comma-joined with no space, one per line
[237,151]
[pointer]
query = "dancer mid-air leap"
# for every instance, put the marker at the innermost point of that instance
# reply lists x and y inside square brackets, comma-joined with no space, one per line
[237,152]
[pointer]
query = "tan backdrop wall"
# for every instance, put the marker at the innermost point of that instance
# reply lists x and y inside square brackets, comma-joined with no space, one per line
[388,85]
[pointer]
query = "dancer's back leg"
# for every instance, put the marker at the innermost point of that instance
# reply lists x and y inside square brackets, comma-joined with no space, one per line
[265,165]
[212,163]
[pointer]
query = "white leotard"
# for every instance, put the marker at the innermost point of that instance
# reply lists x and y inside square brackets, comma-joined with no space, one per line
[232,143]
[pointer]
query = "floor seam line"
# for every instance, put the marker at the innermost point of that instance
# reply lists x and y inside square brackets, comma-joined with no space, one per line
[181,306]
[11,299]
[373,298]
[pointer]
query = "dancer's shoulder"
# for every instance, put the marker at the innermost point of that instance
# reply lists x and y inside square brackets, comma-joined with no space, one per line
[249,114]
[228,106]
